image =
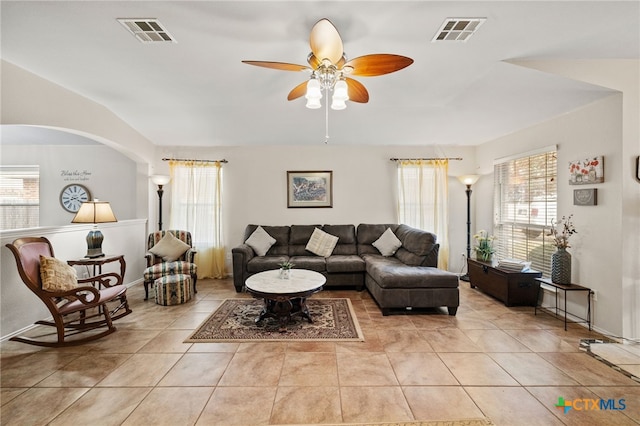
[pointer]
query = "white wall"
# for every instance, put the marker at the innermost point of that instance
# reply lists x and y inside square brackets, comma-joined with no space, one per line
[590,131]
[105,172]
[255,186]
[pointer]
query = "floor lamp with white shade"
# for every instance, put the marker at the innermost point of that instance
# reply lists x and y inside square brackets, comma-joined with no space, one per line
[160,180]
[468,180]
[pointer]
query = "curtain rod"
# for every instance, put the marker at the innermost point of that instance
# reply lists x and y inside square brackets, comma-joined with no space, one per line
[199,161]
[425,159]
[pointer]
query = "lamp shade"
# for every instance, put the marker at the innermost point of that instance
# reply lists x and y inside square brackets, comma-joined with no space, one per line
[94,212]
[468,179]
[314,90]
[341,91]
[160,179]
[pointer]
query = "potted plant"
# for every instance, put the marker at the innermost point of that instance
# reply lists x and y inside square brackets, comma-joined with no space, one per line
[484,246]
[285,269]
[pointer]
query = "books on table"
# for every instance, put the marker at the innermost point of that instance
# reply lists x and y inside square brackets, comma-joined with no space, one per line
[514,265]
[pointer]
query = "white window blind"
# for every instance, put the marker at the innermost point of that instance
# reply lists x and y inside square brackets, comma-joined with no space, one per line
[19,197]
[525,201]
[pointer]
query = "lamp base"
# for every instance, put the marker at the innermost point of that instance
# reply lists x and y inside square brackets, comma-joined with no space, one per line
[465,277]
[94,244]
[91,255]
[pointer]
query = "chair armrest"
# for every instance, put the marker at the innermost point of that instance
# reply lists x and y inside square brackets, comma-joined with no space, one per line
[108,280]
[80,293]
[241,255]
[190,254]
[245,252]
[151,258]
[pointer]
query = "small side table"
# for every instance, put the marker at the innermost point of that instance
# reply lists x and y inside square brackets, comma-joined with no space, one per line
[97,263]
[567,288]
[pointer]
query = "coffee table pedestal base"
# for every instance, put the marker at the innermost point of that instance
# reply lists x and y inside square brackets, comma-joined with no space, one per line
[283,309]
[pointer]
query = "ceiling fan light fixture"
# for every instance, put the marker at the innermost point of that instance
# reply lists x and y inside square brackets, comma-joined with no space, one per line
[341,91]
[338,104]
[314,90]
[313,103]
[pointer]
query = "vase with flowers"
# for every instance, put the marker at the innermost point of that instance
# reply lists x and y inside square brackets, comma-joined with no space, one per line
[484,246]
[561,231]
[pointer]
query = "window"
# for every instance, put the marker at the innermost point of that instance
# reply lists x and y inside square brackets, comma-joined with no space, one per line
[196,206]
[423,200]
[19,197]
[525,201]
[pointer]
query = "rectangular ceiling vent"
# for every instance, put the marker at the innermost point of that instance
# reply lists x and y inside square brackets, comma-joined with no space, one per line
[147,30]
[458,29]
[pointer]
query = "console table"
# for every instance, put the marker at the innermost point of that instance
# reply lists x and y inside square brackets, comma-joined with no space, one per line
[567,288]
[512,288]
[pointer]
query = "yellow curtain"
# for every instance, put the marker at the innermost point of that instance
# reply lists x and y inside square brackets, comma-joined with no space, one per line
[196,206]
[423,200]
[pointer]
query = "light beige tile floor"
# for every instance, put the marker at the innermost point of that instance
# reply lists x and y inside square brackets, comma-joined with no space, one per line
[506,364]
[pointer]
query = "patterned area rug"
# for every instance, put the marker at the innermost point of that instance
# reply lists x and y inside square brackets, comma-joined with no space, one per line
[234,321]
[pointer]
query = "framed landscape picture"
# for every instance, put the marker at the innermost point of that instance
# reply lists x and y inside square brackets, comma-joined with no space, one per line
[309,189]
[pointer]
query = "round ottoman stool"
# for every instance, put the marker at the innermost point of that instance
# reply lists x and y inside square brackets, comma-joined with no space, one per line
[173,289]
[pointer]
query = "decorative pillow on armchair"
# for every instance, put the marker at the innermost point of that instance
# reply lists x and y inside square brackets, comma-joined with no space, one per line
[260,241]
[56,275]
[169,248]
[388,243]
[321,243]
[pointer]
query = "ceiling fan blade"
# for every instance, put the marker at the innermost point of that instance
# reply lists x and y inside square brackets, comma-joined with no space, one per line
[277,65]
[357,92]
[298,91]
[313,61]
[378,64]
[325,41]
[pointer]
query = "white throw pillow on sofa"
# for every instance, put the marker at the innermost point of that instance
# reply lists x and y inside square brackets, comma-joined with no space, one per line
[388,243]
[321,243]
[260,241]
[169,248]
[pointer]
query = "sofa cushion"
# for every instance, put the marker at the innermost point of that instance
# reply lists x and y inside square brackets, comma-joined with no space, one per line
[347,242]
[388,243]
[281,235]
[56,275]
[169,248]
[389,272]
[300,235]
[417,241]
[345,263]
[312,263]
[321,243]
[419,248]
[260,241]
[368,233]
[265,263]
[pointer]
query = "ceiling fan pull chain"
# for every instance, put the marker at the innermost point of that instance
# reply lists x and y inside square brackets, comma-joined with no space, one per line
[326,117]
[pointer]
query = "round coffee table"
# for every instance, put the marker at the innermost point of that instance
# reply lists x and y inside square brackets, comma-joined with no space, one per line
[284,298]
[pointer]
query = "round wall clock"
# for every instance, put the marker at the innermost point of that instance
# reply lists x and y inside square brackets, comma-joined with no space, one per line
[73,195]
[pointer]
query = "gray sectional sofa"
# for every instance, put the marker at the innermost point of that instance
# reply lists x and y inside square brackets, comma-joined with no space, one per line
[407,279]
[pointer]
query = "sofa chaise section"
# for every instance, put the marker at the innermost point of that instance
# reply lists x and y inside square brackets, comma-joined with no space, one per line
[409,278]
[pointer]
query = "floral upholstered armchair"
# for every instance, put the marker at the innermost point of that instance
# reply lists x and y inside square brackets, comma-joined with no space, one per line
[169,252]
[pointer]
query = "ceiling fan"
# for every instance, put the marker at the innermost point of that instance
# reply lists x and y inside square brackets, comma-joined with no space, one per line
[330,69]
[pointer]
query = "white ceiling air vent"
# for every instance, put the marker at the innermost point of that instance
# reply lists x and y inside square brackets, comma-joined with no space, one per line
[458,29]
[147,30]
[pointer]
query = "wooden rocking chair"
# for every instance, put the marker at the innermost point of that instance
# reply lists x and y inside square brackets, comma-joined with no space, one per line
[75,311]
